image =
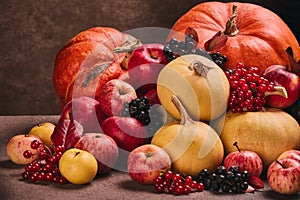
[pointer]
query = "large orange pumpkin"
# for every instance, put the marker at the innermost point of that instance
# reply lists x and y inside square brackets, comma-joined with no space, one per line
[260,40]
[86,62]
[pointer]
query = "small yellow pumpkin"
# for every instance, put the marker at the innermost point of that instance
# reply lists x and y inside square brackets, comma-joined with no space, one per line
[198,82]
[191,145]
[268,133]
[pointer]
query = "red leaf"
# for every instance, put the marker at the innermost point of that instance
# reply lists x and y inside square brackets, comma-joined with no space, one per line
[295,65]
[67,133]
[256,182]
[193,32]
[216,42]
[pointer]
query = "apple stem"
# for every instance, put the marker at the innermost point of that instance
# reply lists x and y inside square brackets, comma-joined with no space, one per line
[280,163]
[236,145]
[278,90]
[199,68]
[185,118]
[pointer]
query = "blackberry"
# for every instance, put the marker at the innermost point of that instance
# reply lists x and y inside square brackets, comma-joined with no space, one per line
[175,48]
[218,58]
[158,117]
[230,181]
[226,187]
[138,108]
[221,170]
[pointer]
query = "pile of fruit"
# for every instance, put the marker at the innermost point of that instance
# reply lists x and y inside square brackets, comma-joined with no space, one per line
[207,110]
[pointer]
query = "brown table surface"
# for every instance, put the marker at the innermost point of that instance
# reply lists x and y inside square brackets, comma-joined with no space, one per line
[116,185]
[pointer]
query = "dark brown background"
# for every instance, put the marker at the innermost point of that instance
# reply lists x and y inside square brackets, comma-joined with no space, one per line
[32,32]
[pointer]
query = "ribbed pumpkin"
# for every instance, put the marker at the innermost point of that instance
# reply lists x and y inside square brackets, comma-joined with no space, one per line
[260,39]
[268,133]
[86,62]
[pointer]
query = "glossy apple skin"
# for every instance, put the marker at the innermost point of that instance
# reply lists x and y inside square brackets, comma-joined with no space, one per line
[113,96]
[86,111]
[293,154]
[245,160]
[44,132]
[282,77]
[145,54]
[103,148]
[286,179]
[20,143]
[146,162]
[78,166]
[127,132]
[144,65]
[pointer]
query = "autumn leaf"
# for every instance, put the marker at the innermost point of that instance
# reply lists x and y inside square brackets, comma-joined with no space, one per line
[67,132]
[216,42]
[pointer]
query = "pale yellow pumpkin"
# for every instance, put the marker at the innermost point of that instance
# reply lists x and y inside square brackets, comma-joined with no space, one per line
[191,145]
[268,133]
[198,82]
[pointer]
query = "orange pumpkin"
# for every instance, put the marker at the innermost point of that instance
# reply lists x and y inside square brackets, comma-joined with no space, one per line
[87,62]
[260,39]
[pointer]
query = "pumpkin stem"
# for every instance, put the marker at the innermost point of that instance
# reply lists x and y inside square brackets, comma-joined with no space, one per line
[199,68]
[127,46]
[185,118]
[278,90]
[231,29]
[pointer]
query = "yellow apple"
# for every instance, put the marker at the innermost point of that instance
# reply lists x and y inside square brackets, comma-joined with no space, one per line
[43,131]
[78,166]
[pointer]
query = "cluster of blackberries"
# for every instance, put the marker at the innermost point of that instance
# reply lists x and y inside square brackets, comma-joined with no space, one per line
[175,48]
[138,108]
[226,181]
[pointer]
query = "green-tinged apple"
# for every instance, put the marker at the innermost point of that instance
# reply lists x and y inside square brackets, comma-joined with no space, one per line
[18,144]
[44,132]
[146,162]
[103,148]
[78,166]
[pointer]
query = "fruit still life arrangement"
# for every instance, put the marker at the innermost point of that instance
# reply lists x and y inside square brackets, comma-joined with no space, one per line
[213,108]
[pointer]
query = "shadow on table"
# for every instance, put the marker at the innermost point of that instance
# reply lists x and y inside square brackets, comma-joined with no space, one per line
[134,186]
[7,164]
[269,194]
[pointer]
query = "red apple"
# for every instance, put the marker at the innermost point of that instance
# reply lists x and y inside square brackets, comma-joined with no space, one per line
[144,65]
[293,154]
[146,162]
[282,77]
[18,144]
[145,54]
[127,132]
[152,96]
[284,176]
[113,96]
[244,160]
[86,111]
[102,147]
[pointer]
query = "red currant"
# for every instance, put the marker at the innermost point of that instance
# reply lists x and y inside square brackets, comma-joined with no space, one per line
[27,154]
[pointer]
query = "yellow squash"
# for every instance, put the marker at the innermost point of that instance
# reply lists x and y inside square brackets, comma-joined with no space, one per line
[191,145]
[268,133]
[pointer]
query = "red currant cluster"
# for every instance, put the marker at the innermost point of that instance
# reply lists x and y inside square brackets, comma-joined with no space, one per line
[174,183]
[248,89]
[45,167]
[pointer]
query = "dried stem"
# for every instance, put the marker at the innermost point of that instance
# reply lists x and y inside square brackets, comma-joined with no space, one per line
[231,28]
[185,118]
